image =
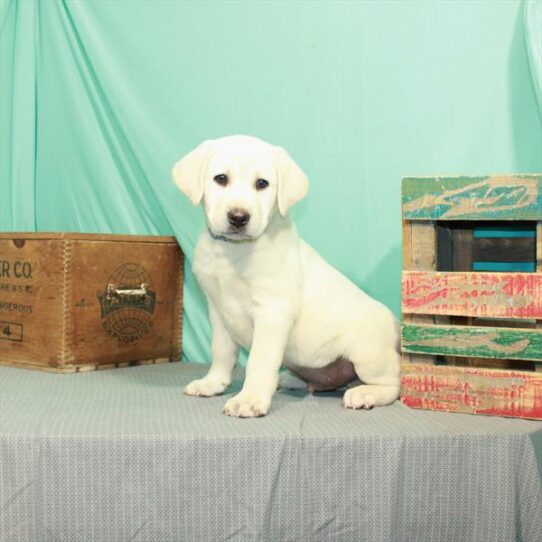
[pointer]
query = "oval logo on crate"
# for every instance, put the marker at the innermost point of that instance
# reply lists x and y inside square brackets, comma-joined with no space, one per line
[128,303]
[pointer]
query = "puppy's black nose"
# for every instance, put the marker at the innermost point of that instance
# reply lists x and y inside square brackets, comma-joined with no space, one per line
[238,217]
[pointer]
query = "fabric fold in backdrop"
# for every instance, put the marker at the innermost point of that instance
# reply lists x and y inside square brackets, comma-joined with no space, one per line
[61,118]
[533,42]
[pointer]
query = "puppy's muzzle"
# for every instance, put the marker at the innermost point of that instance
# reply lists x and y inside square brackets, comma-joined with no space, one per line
[238,218]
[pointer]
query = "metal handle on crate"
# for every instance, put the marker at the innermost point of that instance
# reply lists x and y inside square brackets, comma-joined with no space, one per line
[113,291]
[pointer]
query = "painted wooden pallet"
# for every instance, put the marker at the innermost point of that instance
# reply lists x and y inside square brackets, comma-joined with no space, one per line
[452,315]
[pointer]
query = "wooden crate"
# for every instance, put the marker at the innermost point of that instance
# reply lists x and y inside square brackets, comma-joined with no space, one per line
[472,340]
[75,302]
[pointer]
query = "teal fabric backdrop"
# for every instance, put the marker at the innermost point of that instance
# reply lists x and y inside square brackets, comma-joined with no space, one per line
[99,99]
[533,40]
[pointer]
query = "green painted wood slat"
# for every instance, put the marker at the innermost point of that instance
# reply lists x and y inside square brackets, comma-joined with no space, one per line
[472,341]
[502,197]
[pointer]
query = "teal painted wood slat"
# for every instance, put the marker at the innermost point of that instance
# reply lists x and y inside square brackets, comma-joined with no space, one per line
[503,197]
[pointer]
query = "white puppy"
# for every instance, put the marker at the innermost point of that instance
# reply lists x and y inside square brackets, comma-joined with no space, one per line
[271,293]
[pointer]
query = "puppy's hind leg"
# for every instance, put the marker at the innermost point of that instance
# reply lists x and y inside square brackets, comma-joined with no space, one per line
[225,353]
[381,382]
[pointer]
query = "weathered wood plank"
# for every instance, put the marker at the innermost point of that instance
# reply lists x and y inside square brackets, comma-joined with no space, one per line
[473,341]
[497,295]
[454,253]
[462,240]
[474,391]
[503,197]
[423,246]
[454,246]
[504,249]
[538,366]
[407,245]
[445,248]
[407,264]
[505,322]
[105,237]
[419,252]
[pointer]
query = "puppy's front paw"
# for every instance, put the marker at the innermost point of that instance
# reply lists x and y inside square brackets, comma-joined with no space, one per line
[367,396]
[359,397]
[247,405]
[206,387]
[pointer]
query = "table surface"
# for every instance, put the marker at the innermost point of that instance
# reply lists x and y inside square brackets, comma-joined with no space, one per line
[148,401]
[392,473]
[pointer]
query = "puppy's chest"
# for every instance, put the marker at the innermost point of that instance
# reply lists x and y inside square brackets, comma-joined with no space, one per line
[232,296]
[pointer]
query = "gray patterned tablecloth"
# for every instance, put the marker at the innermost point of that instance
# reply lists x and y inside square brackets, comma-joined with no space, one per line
[123,455]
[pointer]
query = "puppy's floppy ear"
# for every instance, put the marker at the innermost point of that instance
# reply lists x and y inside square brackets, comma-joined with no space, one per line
[292,182]
[188,173]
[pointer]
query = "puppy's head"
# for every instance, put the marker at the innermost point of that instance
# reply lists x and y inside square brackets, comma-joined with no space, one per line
[242,181]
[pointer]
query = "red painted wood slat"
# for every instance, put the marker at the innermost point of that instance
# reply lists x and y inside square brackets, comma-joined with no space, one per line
[496,295]
[489,392]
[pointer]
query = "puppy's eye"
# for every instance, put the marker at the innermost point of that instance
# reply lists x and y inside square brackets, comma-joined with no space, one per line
[261,184]
[221,179]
